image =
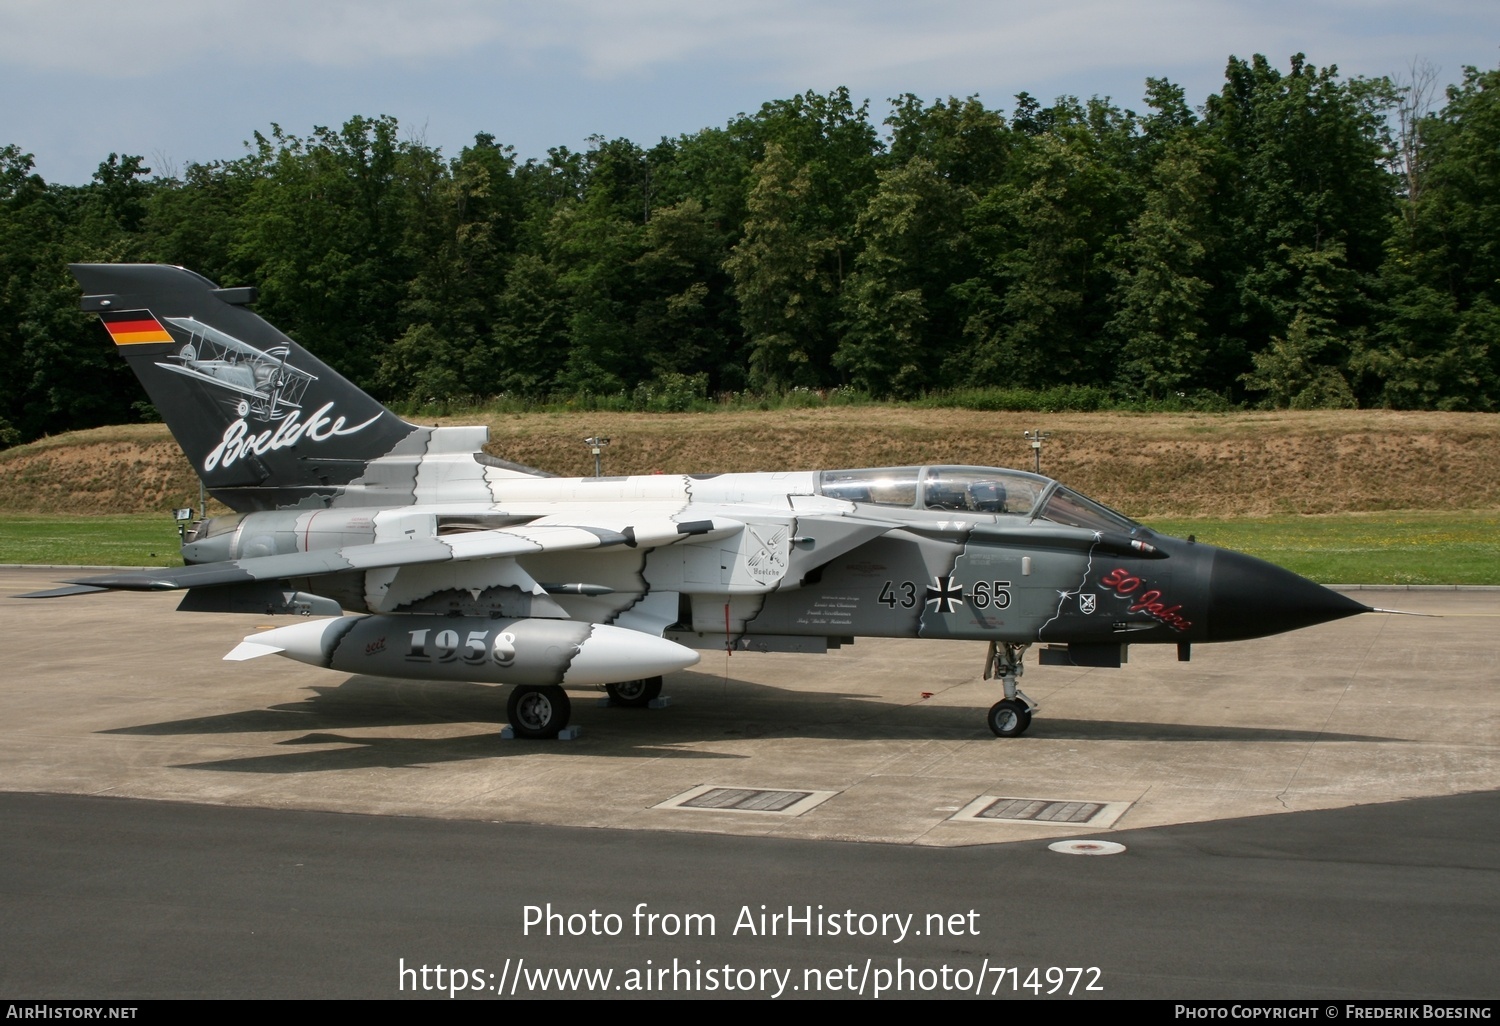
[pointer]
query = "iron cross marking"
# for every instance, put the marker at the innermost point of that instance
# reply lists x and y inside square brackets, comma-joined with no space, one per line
[946,594]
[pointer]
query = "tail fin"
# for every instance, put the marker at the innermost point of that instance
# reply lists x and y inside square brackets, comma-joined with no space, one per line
[265,423]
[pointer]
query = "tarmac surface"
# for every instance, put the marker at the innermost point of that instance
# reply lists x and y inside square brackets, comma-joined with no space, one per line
[1308,815]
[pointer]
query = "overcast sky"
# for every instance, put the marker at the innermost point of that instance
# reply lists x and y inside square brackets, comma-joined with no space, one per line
[179,81]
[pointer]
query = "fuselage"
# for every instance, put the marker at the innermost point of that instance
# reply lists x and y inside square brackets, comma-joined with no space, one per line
[934,551]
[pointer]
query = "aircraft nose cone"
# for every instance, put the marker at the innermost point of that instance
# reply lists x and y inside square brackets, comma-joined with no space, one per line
[1250,598]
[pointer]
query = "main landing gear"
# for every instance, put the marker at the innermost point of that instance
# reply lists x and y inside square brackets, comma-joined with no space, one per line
[1010,716]
[634,694]
[542,711]
[538,711]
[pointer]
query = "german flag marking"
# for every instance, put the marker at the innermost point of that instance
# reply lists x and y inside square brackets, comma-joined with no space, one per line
[134,330]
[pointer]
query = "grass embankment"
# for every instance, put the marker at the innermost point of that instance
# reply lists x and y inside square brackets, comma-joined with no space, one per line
[1460,547]
[1398,497]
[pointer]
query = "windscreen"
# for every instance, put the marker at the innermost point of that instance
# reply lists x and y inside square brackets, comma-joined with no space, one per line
[1065,506]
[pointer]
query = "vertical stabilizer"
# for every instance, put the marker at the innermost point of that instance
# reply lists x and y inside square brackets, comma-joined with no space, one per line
[264,422]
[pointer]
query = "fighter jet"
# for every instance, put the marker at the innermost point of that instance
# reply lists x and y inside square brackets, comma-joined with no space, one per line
[422,556]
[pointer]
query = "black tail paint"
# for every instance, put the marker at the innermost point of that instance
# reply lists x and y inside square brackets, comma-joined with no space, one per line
[264,422]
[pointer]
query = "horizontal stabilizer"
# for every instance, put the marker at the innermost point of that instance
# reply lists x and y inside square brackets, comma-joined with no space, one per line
[72,589]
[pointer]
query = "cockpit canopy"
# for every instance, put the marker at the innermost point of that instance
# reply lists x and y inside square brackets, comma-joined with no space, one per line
[982,490]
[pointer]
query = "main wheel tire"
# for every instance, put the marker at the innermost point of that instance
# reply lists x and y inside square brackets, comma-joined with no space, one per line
[634,694]
[538,712]
[1009,718]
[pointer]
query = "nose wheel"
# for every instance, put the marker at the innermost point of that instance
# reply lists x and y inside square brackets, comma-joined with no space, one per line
[1010,716]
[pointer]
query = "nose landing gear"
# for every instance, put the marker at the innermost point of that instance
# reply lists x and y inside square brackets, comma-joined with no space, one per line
[1012,715]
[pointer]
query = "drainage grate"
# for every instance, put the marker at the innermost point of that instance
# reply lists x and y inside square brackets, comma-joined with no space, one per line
[745,800]
[1034,810]
[1042,811]
[761,800]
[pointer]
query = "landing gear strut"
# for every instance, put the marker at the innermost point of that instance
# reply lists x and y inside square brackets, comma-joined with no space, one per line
[538,711]
[1011,716]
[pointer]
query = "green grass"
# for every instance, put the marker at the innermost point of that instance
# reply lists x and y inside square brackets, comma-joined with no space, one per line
[1460,547]
[133,539]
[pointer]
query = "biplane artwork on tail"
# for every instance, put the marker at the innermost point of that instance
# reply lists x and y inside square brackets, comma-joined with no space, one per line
[261,384]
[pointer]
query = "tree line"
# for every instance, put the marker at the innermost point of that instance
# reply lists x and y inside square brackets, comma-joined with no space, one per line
[1300,239]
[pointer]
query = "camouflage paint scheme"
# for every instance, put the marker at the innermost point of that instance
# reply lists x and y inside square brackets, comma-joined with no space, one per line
[344,506]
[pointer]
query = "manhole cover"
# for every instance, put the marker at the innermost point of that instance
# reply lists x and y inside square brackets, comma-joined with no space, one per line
[1087,847]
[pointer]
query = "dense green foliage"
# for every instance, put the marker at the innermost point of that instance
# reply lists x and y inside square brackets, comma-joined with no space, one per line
[1300,240]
